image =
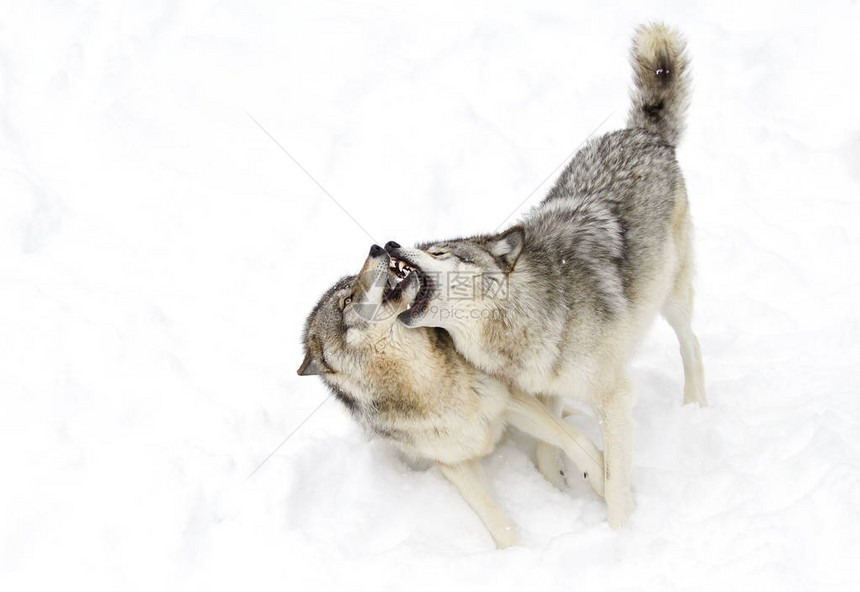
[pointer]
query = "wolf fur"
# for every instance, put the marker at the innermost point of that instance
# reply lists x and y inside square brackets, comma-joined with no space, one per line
[412,388]
[562,299]
[661,82]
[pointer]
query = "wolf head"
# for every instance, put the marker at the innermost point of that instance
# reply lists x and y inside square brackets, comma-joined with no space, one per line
[357,313]
[461,279]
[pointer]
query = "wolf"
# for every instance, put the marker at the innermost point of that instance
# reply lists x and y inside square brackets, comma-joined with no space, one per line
[411,387]
[560,300]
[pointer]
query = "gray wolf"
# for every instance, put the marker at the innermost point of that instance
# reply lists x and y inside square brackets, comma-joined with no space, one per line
[561,299]
[411,387]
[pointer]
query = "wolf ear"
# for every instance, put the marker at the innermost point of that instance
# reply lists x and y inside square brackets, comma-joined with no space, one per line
[312,367]
[507,246]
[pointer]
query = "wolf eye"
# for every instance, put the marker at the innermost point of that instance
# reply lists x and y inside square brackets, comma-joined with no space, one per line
[346,301]
[438,253]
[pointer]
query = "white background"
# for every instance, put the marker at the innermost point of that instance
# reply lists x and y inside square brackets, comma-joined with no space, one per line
[159,252]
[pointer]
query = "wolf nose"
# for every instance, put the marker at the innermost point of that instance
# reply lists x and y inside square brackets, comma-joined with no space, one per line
[376,251]
[391,245]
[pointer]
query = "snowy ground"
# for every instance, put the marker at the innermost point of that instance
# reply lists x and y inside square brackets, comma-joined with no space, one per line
[158,254]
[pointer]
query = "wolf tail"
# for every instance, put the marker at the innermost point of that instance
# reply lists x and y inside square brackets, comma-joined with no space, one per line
[660,74]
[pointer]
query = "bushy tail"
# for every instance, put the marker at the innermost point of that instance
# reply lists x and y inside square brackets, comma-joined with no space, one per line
[660,92]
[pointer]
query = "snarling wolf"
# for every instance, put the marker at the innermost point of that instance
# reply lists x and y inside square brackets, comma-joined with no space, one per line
[412,388]
[561,299]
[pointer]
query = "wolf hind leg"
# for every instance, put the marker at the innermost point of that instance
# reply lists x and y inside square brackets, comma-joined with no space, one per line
[549,460]
[468,477]
[531,416]
[678,311]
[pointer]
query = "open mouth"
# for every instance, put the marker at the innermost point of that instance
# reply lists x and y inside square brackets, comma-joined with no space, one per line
[400,274]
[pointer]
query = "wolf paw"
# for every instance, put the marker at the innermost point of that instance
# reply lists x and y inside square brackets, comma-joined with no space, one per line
[507,538]
[620,511]
[695,395]
[551,466]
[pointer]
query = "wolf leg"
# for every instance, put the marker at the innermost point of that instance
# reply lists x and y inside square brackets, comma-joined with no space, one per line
[616,423]
[549,460]
[469,479]
[678,311]
[531,416]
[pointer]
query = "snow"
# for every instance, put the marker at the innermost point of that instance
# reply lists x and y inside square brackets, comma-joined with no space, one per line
[158,254]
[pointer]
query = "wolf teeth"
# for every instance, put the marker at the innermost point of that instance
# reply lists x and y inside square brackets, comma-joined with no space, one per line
[399,267]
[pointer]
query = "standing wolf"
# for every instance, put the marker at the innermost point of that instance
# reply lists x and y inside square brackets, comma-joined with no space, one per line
[412,388]
[561,300]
